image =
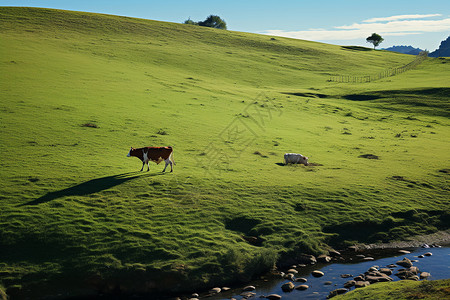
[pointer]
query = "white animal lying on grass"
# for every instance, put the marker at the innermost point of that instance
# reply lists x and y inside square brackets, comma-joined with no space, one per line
[294,158]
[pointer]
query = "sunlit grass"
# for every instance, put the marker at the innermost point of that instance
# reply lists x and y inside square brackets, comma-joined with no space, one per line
[405,289]
[77,90]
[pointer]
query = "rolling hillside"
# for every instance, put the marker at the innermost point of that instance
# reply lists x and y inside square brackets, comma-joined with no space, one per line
[78,89]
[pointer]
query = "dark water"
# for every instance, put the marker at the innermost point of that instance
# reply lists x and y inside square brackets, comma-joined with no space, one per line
[438,265]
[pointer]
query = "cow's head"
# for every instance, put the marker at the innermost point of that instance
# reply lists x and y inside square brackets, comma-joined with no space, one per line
[305,160]
[129,153]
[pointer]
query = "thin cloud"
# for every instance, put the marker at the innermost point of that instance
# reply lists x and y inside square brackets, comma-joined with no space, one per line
[401,17]
[402,26]
[398,26]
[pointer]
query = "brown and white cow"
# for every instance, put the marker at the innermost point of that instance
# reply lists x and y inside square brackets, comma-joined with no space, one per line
[155,154]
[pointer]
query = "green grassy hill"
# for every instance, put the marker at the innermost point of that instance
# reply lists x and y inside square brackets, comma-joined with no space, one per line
[78,89]
[402,290]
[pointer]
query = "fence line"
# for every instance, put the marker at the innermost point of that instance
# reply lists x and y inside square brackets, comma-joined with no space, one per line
[386,73]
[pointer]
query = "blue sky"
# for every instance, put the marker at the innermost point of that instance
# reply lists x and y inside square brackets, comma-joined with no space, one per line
[422,24]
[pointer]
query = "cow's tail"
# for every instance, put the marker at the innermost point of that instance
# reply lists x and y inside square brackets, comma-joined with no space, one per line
[171,158]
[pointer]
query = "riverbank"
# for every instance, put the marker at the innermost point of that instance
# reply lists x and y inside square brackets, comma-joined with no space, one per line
[360,269]
[438,238]
[435,289]
[344,260]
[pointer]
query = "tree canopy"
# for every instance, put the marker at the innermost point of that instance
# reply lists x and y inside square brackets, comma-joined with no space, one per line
[375,39]
[214,22]
[211,21]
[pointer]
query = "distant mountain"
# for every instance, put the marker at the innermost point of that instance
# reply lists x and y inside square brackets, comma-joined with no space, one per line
[405,50]
[443,50]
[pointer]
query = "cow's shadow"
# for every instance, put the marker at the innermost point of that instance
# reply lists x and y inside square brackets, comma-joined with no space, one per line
[310,164]
[90,187]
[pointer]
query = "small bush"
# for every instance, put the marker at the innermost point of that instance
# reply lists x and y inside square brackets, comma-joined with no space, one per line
[260,154]
[162,132]
[91,125]
[190,22]
[300,207]
[262,262]
[369,156]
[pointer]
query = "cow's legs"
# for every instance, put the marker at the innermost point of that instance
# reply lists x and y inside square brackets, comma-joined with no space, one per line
[143,164]
[168,161]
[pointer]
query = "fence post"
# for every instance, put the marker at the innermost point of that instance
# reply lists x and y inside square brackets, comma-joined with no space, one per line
[386,73]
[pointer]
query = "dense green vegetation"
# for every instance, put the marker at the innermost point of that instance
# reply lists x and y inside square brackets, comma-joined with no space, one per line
[77,90]
[402,290]
[211,21]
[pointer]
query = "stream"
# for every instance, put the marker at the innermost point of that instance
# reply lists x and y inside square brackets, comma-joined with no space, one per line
[438,265]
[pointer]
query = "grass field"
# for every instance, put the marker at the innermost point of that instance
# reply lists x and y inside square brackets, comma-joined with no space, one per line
[78,89]
[405,289]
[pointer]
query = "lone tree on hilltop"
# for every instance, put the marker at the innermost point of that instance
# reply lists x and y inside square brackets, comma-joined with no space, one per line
[214,22]
[211,21]
[375,39]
